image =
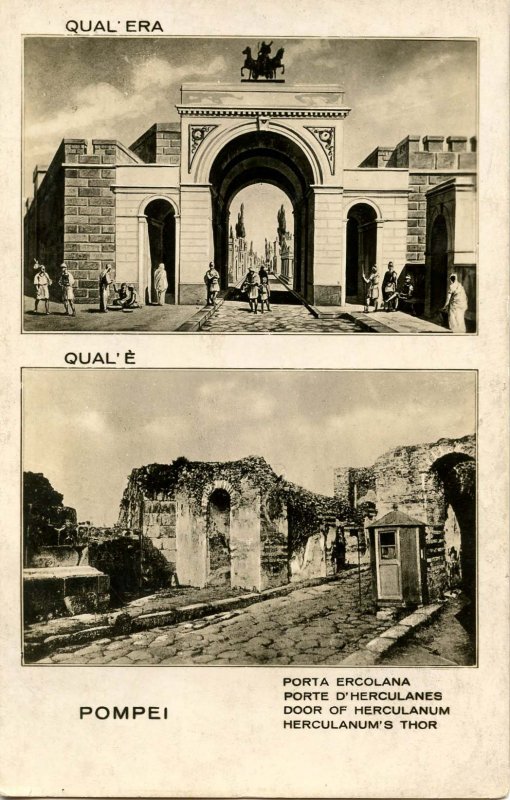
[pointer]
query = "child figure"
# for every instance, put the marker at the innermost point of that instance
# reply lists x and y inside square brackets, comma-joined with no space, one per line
[264,295]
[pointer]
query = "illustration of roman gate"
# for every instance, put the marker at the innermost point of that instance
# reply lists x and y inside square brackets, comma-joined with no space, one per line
[235,523]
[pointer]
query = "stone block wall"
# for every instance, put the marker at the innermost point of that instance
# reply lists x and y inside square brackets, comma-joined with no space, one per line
[161,144]
[345,480]
[427,160]
[273,546]
[378,158]
[89,222]
[430,160]
[159,527]
[324,288]
[72,215]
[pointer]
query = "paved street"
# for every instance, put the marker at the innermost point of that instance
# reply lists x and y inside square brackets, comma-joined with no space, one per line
[314,625]
[287,315]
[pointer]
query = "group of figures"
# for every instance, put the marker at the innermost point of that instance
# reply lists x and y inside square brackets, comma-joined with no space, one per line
[255,287]
[111,298]
[393,298]
[42,283]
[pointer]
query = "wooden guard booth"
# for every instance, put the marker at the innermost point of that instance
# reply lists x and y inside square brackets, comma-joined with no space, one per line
[398,561]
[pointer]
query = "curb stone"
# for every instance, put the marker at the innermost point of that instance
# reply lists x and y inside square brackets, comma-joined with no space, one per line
[372,652]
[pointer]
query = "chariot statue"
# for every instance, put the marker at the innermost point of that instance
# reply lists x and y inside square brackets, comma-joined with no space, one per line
[265,65]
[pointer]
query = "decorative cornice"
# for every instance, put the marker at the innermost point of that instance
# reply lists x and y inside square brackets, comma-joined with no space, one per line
[276,113]
[196,135]
[326,139]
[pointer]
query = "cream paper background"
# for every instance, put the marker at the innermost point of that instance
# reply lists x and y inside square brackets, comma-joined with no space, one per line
[225,735]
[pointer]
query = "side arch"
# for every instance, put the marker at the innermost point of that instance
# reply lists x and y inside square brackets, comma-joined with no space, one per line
[366,201]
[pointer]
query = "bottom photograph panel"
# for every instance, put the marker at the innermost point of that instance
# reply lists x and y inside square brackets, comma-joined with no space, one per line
[176,517]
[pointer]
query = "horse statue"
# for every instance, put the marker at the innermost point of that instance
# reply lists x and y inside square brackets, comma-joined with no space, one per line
[263,66]
[276,63]
[249,63]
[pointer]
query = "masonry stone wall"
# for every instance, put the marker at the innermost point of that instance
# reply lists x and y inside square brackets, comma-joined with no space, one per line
[430,161]
[273,543]
[159,526]
[72,216]
[270,520]
[89,222]
[161,144]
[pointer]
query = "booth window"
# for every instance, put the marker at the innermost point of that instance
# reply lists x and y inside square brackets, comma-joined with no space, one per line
[388,545]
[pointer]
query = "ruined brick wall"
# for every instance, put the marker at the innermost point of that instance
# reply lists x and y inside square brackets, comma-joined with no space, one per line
[273,542]
[161,144]
[158,527]
[406,477]
[271,520]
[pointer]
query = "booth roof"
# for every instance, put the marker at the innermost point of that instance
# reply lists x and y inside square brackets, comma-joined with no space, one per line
[396,518]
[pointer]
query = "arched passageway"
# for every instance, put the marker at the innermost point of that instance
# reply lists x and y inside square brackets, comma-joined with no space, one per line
[361,250]
[160,217]
[456,473]
[265,157]
[438,263]
[218,539]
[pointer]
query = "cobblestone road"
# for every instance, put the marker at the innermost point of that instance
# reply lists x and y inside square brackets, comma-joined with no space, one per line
[286,316]
[314,625]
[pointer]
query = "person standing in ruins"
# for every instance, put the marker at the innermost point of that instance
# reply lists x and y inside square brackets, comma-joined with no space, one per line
[42,283]
[160,283]
[66,283]
[105,280]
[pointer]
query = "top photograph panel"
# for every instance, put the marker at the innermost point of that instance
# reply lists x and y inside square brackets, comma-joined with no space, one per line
[227,185]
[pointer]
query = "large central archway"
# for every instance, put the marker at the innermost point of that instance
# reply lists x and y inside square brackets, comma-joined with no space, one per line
[265,157]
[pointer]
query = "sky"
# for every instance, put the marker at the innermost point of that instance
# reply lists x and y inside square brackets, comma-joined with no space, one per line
[85,430]
[103,87]
[261,204]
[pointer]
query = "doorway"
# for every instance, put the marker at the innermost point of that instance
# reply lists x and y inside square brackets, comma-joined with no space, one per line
[361,250]
[161,246]
[218,539]
[438,264]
